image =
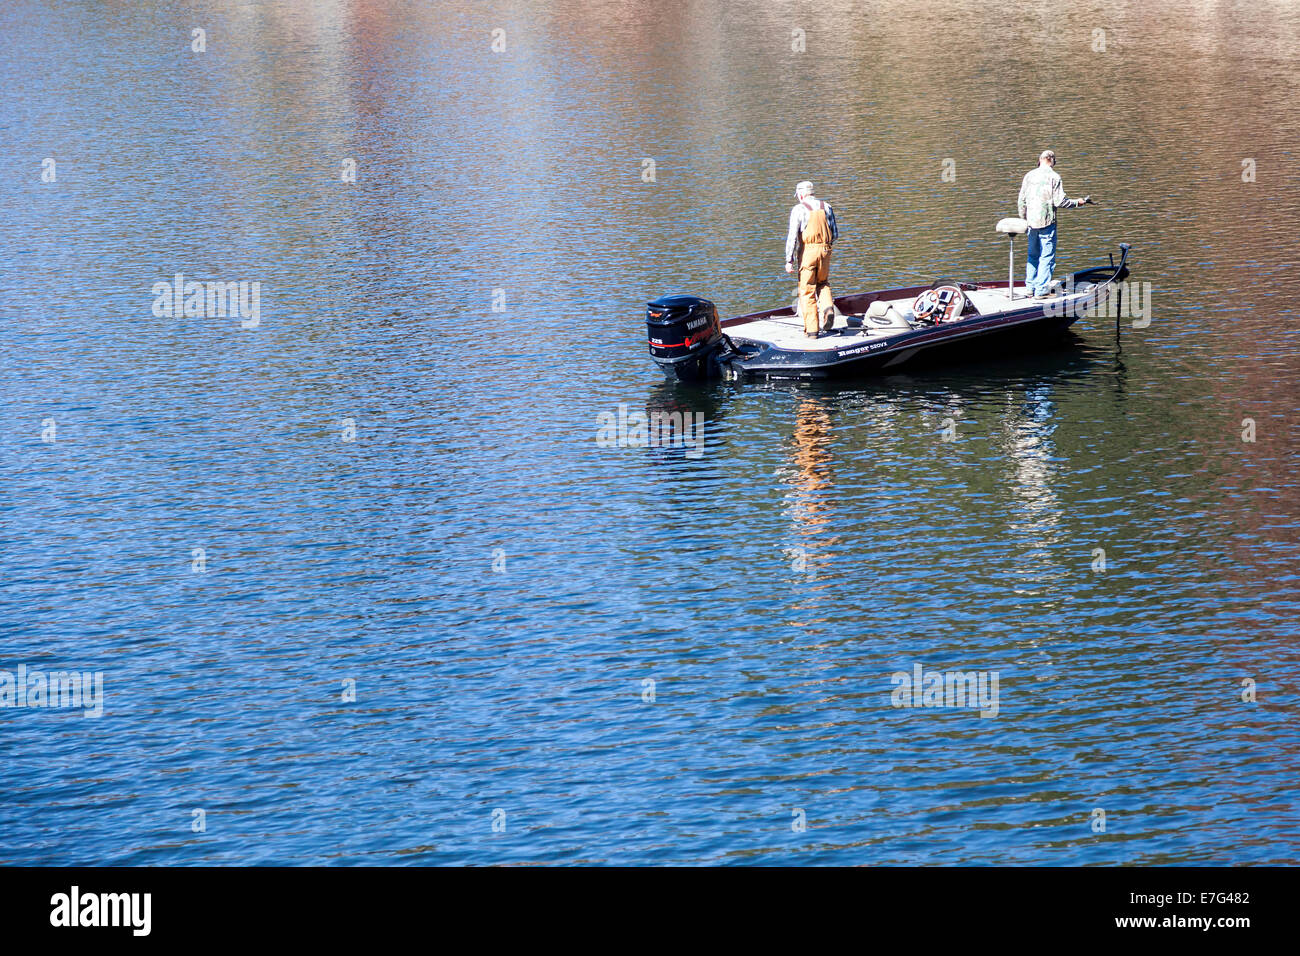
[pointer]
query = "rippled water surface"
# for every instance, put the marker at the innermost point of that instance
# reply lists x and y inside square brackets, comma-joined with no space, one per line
[501,588]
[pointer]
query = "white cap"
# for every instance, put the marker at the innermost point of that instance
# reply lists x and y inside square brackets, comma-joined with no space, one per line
[803,189]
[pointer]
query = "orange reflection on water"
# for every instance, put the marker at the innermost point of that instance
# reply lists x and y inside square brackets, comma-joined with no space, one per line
[810,485]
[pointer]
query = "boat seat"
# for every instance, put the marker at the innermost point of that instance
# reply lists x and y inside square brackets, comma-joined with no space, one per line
[885,315]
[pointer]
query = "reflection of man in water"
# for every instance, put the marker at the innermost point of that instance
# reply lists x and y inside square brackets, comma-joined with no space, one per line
[811,460]
[808,243]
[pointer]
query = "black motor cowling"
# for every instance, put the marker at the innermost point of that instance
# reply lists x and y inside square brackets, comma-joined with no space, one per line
[684,335]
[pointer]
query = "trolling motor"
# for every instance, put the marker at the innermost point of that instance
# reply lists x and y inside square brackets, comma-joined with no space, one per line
[685,337]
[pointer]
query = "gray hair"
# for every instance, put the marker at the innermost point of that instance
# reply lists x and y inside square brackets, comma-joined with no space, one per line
[1047,154]
[803,189]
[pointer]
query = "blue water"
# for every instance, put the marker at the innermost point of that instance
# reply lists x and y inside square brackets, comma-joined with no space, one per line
[399,489]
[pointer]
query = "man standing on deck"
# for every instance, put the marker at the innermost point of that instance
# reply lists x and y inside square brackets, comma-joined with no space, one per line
[808,246]
[1041,194]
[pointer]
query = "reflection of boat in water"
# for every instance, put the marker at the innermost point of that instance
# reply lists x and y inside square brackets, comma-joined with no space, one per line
[674,421]
[874,332]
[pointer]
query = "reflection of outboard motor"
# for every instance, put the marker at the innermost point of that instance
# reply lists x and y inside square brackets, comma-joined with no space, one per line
[684,335]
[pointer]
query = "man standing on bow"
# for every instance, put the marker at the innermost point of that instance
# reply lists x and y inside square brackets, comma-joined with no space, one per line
[1041,194]
[808,247]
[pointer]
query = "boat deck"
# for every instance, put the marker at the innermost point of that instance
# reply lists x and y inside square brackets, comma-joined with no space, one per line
[785,330]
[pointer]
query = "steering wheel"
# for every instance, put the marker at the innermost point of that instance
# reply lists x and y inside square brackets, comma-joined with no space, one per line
[943,304]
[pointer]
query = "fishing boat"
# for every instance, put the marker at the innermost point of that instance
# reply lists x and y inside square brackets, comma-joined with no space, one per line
[873,332]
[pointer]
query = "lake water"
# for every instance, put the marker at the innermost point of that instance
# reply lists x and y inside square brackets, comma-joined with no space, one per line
[391,489]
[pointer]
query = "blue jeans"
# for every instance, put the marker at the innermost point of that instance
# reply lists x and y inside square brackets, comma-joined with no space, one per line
[1041,258]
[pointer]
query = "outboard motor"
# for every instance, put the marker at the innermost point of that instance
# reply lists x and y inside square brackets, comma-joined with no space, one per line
[685,336]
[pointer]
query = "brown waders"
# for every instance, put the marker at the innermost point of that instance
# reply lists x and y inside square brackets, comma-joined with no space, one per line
[815,298]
